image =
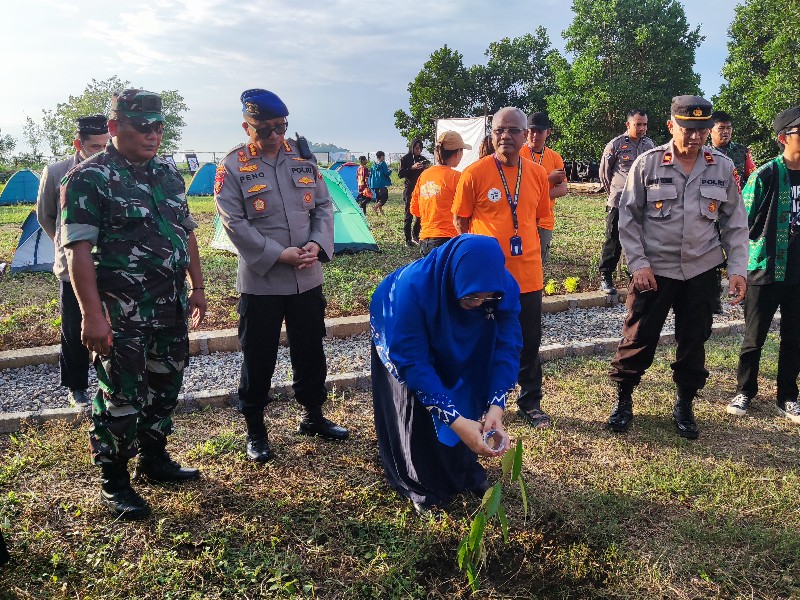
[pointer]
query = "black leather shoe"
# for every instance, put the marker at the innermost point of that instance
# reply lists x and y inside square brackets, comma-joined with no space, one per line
[683,415]
[118,496]
[324,428]
[483,487]
[79,398]
[607,283]
[160,468]
[258,449]
[620,418]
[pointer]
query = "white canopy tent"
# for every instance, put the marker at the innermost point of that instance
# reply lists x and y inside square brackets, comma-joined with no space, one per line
[473,130]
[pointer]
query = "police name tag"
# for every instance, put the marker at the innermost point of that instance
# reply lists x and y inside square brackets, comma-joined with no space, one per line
[516,245]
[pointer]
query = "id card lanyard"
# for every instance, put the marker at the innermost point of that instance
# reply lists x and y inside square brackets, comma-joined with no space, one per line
[512,201]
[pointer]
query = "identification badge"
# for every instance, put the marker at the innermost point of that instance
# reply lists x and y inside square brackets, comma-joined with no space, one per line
[516,245]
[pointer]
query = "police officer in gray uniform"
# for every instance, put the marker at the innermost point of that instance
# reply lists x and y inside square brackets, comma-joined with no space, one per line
[278,213]
[681,216]
[90,138]
[618,156]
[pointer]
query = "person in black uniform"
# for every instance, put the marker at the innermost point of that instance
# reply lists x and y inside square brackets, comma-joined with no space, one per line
[411,167]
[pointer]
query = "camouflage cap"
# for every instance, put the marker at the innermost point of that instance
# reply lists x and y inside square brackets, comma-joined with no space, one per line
[139,106]
[691,112]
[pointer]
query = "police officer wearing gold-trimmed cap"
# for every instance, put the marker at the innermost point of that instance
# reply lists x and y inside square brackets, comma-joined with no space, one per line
[681,217]
[277,211]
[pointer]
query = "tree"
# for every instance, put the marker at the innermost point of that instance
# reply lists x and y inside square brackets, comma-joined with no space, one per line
[7,144]
[32,134]
[761,71]
[443,88]
[517,74]
[96,99]
[627,54]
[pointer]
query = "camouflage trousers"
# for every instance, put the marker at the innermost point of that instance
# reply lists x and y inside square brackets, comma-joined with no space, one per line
[138,382]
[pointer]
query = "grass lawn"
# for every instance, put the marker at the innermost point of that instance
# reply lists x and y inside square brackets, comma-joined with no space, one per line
[29,314]
[641,515]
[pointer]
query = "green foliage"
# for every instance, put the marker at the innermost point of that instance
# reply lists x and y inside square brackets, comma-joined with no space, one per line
[571,284]
[517,73]
[7,144]
[761,71]
[627,54]
[471,553]
[443,88]
[96,99]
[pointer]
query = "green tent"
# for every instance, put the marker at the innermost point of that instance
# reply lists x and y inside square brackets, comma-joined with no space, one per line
[350,228]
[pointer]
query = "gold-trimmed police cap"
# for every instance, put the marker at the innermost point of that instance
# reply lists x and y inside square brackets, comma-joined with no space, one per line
[262,105]
[691,112]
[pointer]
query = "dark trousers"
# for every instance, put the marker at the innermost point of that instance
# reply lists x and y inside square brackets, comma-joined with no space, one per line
[694,303]
[530,363]
[428,244]
[4,557]
[612,249]
[760,305]
[260,319]
[411,224]
[74,356]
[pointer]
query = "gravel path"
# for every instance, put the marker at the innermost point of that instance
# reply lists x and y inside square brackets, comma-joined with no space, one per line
[36,387]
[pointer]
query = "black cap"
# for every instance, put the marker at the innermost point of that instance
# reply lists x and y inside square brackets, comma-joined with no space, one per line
[539,120]
[92,125]
[787,118]
[691,112]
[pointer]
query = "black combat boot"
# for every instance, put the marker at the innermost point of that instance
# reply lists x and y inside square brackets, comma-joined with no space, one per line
[683,415]
[117,494]
[158,467]
[314,423]
[257,442]
[607,283]
[622,415]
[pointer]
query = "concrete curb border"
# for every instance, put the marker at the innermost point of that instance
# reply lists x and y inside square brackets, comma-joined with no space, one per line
[194,401]
[226,340]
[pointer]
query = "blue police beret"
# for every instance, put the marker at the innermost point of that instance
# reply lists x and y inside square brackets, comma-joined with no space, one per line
[262,105]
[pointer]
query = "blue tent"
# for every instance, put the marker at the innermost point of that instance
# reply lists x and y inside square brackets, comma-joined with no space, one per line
[348,172]
[203,181]
[22,187]
[35,250]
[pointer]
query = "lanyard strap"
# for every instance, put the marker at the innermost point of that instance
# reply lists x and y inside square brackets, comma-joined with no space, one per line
[512,201]
[534,153]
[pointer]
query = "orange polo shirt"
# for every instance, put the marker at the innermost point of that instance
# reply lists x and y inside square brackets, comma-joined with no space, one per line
[550,160]
[432,201]
[481,196]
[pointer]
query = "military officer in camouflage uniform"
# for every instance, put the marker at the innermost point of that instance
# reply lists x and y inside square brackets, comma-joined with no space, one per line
[681,215]
[91,138]
[618,156]
[721,134]
[278,213]
[130,245]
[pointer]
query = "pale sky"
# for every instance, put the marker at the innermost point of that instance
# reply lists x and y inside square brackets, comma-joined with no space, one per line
[342,68]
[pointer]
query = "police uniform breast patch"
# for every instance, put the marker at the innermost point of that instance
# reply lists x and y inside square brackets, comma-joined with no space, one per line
[305,180]
[712,207]
[259,205]
[257,188]
[248,168]
[493,195]
[307,198]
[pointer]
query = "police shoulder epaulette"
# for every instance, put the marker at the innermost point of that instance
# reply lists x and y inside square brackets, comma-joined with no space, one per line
[236,148]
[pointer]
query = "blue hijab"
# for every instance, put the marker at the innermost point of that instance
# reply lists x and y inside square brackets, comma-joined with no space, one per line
[437,348]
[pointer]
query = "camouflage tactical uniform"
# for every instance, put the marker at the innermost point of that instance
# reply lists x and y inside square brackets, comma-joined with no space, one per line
[137,218]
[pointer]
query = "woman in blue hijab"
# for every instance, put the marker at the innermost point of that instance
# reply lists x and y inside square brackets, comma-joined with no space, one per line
[445,352]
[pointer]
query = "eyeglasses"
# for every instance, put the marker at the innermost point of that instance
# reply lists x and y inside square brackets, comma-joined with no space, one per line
[480,299]
[157,127]
[265,132]
[511,130]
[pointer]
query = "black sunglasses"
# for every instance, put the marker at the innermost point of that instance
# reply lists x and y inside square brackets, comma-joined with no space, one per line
[146,128]
[265,132]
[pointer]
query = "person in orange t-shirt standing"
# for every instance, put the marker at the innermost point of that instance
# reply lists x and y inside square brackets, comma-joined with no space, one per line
[504,196]
[432,198]
[539,129]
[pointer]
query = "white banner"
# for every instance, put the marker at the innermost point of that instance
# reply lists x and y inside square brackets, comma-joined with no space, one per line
[473,130]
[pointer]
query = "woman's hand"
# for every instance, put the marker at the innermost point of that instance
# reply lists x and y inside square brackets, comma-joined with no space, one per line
[494,420]
[471,433]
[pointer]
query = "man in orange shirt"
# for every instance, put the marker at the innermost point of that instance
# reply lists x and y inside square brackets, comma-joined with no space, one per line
[432,198]
[504,195]
[539,129]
